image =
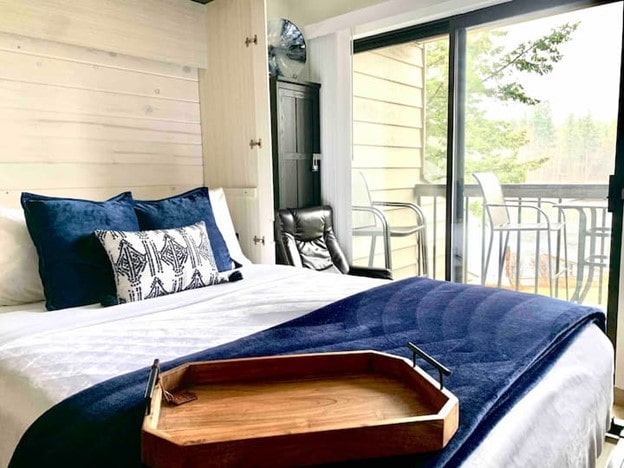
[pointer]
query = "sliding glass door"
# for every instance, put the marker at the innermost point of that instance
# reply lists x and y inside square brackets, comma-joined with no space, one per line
[495,131]
[400,106]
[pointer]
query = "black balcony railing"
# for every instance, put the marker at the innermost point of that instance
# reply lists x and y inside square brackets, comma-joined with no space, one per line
[588,231]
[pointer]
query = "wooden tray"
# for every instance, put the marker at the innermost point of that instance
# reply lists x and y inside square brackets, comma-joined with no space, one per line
[297,410]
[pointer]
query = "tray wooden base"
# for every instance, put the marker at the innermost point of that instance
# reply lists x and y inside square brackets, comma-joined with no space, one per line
[297,410]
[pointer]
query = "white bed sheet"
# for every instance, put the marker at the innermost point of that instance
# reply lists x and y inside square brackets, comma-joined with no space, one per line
[48,356]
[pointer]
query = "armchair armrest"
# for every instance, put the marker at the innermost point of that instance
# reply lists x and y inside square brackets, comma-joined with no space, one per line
[380,273]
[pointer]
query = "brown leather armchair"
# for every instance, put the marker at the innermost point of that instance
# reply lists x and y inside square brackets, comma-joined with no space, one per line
[306,238]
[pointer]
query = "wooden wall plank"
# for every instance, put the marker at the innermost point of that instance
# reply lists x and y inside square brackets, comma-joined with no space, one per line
[17,176]
[390,178]
[365,133]
[56,150]
[370,110]
[411,53]
[388,91]
[29,124]
[70,127]
[95,57]
[385,156]
[164,30]
[11,198]
[16,66]
[18,95]
[381,66]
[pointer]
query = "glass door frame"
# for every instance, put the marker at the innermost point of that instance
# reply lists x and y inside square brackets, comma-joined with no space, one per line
[456,28]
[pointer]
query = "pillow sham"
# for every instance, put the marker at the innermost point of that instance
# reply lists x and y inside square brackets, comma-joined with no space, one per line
[149,264]
[19,278]
[73,266]
[225,225]
[183,210]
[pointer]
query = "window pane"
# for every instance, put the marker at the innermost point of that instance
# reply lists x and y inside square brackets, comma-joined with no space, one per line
[541,114]
[399,131]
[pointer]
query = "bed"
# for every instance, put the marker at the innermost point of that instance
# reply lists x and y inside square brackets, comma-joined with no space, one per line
[559,418]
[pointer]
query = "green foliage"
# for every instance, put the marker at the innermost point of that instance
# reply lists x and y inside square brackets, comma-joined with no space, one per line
[492,76]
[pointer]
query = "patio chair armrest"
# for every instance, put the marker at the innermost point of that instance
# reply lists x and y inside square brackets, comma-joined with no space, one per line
[377,213]
[412,206]
[380,273]
[513,205]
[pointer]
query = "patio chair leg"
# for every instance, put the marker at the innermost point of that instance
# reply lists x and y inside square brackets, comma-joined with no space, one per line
[501,258]
[484,267]
[423,246]
[550,275]
[371,255]
[387,251]
[565,256]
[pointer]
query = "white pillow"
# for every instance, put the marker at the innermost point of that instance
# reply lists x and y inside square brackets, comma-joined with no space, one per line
[148,264]
[19,264]
[224,223]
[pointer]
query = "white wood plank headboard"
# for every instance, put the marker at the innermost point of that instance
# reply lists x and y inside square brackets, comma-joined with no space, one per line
[86,123]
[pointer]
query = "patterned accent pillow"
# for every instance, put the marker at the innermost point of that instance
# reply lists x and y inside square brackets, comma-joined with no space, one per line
[148,264]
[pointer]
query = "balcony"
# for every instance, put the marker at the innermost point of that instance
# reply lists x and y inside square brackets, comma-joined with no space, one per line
[581,206]
[587,222]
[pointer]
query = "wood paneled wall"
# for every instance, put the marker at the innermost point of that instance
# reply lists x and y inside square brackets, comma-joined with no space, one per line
[388,137]
[88,123]
[165,30]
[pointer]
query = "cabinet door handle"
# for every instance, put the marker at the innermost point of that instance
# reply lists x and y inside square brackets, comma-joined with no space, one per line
[251,40]
[316,159]
[257,143]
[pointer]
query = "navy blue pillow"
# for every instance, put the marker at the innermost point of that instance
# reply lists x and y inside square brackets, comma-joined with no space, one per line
[73,266]
[183,210]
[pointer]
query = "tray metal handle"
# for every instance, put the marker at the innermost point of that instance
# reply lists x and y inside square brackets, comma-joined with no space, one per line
[442,370]
[151,384]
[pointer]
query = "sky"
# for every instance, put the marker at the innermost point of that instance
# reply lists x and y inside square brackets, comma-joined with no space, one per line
[587,78]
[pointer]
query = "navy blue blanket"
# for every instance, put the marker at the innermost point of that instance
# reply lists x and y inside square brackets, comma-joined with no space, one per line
[497,344]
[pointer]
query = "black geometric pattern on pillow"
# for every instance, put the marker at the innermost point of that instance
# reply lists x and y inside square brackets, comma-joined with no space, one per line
[149,264]
[130,262]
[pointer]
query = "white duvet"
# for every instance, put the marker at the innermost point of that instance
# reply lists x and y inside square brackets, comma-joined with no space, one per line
[48,356]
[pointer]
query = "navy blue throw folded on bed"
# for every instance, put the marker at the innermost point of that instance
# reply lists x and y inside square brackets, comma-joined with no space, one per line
[497,343]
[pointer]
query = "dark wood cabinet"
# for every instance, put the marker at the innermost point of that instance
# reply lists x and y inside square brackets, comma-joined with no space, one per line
[295,128]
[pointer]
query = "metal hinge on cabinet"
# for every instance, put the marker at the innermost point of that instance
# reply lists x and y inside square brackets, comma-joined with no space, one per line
[257,143]
[258,240]
[251,40]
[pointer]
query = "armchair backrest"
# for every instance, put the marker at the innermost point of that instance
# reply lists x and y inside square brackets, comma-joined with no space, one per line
[306,239]
[493,199]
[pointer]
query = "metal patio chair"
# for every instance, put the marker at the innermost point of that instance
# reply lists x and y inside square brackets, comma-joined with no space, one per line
[369,219]
[497,209]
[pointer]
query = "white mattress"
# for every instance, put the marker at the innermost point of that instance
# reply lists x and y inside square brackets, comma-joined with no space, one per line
[48,356]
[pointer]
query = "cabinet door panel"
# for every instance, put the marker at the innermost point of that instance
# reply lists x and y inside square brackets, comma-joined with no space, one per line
[234,94]
[296,133]
[287,131]
[305,185]
[305,117]
[289,198]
